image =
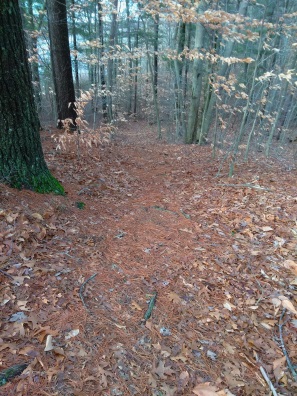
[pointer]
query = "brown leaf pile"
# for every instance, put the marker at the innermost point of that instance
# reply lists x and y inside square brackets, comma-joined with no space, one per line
[220,253]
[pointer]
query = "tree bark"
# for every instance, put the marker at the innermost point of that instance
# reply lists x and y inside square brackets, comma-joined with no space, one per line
[21,158]
[196,81]
[102,68]
[208,111]
[110,64]
[61,62]
[156,48]
[178,68]
[75,48]
[136,69]
[33,52]
[129,105]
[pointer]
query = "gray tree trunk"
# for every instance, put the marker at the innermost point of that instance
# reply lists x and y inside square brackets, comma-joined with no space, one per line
[110,64]
[197,75]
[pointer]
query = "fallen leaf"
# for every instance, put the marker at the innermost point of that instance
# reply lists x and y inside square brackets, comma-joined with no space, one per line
[168,390]
[51,372]
[205,389]
[136,306]
[103,375]
[229,348]
[37,216]
[279,368]
[212,355]
[162,371]
[265,229]
[228,306]
[183,379]
[289,306]
[71,334]
[291,265]
[174,297]
[48,343]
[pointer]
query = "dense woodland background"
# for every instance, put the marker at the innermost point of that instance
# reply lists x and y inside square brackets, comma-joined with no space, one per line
[209,71]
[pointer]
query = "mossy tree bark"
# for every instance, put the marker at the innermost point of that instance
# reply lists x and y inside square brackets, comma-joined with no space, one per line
[22,162]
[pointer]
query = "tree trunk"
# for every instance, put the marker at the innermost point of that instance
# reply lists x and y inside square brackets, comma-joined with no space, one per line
[102,68]
[178,68]
[129,106]
[110,64]
[208,111]
[61,62]
[196,81]
[156,48]
[33,52]
[75,48]
[21,158]
[136,70]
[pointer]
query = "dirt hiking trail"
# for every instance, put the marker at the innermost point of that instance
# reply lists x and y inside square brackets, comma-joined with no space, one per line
[145,224]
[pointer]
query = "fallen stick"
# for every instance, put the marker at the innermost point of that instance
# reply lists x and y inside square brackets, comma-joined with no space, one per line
[8,275]
[289,363]
[81,289]
[269,383]
[265,376]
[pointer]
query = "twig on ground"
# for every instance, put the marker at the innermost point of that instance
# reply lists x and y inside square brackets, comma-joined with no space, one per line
[280,327]
[81,289]
[265,376]
[269,383]
[248,185]
[8,275]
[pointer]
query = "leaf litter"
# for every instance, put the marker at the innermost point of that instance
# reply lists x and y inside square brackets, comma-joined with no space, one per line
[221,256]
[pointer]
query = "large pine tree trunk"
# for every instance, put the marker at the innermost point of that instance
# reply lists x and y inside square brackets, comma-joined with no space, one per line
[21,158]
[61,62]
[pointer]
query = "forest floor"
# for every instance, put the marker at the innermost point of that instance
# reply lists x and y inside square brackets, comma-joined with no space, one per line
[79,273]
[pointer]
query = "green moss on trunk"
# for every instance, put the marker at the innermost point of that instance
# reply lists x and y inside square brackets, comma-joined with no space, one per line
[43,183]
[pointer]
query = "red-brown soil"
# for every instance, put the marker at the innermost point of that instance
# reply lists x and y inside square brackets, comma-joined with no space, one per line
[220,253]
